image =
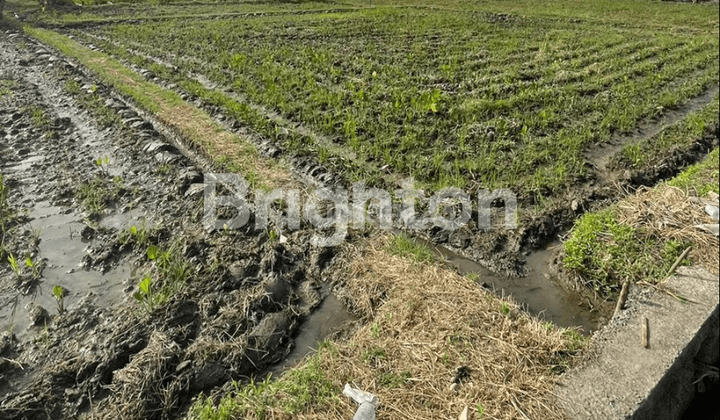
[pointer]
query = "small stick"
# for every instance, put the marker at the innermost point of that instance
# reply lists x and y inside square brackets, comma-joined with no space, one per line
[621,300]
[645,332]
[677,263]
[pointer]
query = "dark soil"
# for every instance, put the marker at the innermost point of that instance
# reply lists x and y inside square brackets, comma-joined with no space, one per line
[244,302]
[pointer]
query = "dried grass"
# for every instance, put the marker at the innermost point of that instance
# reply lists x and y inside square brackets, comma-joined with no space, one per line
[426,323]
[668,213]
[134,385]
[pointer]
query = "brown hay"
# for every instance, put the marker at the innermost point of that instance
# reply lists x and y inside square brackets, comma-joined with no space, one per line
[134,385]
[667,213]
[427,322]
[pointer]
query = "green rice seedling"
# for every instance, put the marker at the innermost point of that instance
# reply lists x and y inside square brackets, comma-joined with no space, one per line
[14,265]
[152,252]
[59,294]
[103,164]
[33,266]
[140,236]
[146,295]
[480,410]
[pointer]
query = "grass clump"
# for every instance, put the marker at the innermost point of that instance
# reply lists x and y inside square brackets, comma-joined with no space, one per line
[170,273]
[6,86]
[406,246]
[643,235]
[95,195]
[602,252]
[294,393]
[700,178]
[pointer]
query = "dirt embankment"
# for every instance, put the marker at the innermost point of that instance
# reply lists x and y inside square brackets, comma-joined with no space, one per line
[93,187]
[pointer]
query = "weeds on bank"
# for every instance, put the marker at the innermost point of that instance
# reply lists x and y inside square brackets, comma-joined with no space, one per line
[406,246]
[601,252]
[701,178]
[294,392]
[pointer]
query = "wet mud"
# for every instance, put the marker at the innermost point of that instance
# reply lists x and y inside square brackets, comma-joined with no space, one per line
[93,188]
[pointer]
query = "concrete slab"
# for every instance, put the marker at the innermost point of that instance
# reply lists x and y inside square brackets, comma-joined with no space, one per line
[619,374]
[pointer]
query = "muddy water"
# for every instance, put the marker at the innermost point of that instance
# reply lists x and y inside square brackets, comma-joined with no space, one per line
[539,292]
[61,248]
[330,317]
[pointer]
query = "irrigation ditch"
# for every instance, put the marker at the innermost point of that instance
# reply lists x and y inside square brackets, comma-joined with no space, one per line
[95,184]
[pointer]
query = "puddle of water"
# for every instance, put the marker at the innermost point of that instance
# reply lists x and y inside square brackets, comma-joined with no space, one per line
[62,247]
[539,292]
[327,319]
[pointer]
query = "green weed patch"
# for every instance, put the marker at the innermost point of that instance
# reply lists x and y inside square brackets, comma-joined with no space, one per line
[295,392]
[601,252]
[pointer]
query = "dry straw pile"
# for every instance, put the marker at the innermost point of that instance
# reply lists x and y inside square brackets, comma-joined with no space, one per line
[136,387]
[669,213]
[435,342]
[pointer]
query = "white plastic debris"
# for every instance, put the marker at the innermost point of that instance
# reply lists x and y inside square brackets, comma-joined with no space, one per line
[367,403]
[712,211]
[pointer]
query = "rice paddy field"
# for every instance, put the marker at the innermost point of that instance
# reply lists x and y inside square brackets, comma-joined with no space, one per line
[471,95]
[113,115]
